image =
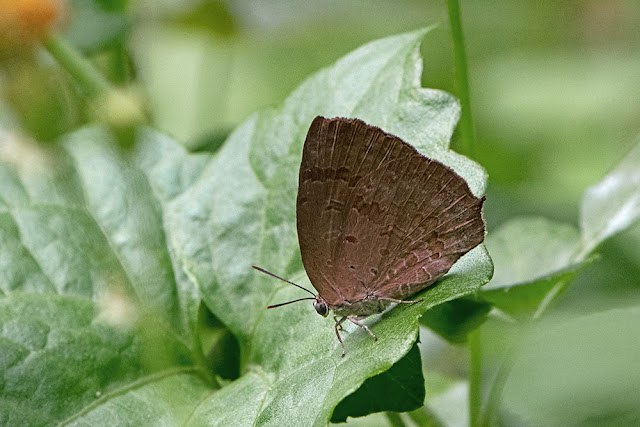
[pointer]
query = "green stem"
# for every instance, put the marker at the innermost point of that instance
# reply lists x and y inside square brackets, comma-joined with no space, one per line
[495,391]
[121,69]
[462,78]
[395,419]
[83,72]
[496,388]
[475,377]
[425,417]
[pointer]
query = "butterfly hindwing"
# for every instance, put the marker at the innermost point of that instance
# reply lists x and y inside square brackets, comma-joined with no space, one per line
[375,217]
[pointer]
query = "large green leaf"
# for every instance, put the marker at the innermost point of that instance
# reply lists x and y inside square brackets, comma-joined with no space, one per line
[531,248]
[613,204]
[535,258]
[137,240]
[400,389]
[88,307]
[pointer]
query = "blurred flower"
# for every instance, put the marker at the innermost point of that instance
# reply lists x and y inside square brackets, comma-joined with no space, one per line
[22,152]
[23,23]
[124,107]
[123,110]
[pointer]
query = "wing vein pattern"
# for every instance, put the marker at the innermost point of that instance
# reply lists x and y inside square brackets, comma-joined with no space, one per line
[377,218]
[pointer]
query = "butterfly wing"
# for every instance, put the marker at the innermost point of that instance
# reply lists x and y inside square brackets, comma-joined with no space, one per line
[337,153]
[431,222]
[375,217]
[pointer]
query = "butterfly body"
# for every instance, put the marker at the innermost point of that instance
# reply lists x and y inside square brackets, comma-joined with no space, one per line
[362,307]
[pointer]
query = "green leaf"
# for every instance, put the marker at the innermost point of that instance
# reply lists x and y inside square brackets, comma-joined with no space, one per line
[400,389]
[526,300]
[536,258]
[167,399]
[454,320]
[528,248]
[60,355]
[613,204]
[137,240]
[89,307]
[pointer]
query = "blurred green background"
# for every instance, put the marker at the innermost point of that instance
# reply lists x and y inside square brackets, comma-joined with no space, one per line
[555,91]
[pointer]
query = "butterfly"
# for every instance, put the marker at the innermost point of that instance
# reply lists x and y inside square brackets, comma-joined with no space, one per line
[377,221]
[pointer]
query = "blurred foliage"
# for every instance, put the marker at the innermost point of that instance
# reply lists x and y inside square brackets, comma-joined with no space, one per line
[42,100]
[94,26]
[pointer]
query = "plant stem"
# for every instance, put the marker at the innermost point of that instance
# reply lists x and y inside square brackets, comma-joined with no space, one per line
[495,391]
[121,69]
[424,417]
[475,376]
[201,362]
[467,137]
[395,419]
[83,72]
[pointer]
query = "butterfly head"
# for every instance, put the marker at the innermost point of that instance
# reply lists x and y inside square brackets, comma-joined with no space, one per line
[321,307]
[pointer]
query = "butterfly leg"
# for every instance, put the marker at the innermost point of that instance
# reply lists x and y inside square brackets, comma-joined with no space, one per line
[399,300]
[355,320]
[339,325]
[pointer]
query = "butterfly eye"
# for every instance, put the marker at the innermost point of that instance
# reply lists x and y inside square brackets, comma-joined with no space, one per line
[321,308]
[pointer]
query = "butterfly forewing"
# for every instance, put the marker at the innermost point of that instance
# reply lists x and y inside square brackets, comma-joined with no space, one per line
[331,160]
[375,217]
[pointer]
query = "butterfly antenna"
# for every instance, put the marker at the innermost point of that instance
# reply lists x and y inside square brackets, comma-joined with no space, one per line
[288,302]
[284,280]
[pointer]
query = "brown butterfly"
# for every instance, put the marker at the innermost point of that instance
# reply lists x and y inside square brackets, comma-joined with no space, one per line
[377,221]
